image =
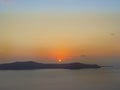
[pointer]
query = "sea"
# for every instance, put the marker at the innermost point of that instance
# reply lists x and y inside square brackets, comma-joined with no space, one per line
[61,79]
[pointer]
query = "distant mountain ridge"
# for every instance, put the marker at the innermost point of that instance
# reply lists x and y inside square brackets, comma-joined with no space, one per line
[30,65]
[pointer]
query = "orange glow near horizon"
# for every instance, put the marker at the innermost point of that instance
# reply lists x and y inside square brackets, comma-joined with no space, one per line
[60,53]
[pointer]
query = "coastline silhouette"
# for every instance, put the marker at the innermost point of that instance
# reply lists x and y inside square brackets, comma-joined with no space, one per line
[30,65]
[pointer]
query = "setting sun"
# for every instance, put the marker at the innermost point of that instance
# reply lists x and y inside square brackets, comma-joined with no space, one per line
[59,60]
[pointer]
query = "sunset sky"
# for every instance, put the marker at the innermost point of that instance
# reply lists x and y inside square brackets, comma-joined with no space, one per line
[69,30]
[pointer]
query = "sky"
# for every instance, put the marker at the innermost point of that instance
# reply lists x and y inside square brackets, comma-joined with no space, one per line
[67,30]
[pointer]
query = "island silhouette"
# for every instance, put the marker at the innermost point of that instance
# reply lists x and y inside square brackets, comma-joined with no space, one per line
[30,65]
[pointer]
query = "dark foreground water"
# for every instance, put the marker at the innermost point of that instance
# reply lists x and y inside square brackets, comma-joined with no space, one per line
[85,79]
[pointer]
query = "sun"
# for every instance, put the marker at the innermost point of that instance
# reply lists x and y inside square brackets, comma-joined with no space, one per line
[59,60]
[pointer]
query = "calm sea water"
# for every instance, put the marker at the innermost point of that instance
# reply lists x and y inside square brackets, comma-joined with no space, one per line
[54,79]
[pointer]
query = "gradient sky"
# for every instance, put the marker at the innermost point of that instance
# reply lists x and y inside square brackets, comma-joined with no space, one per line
[60,29]
[64,5]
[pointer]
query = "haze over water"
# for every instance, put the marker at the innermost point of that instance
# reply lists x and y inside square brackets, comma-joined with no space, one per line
[86,79]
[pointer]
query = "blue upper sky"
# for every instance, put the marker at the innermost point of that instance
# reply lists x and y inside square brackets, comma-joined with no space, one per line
[65,5]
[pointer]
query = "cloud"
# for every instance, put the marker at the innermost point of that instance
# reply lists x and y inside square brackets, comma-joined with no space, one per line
[83,55]
[112,34]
